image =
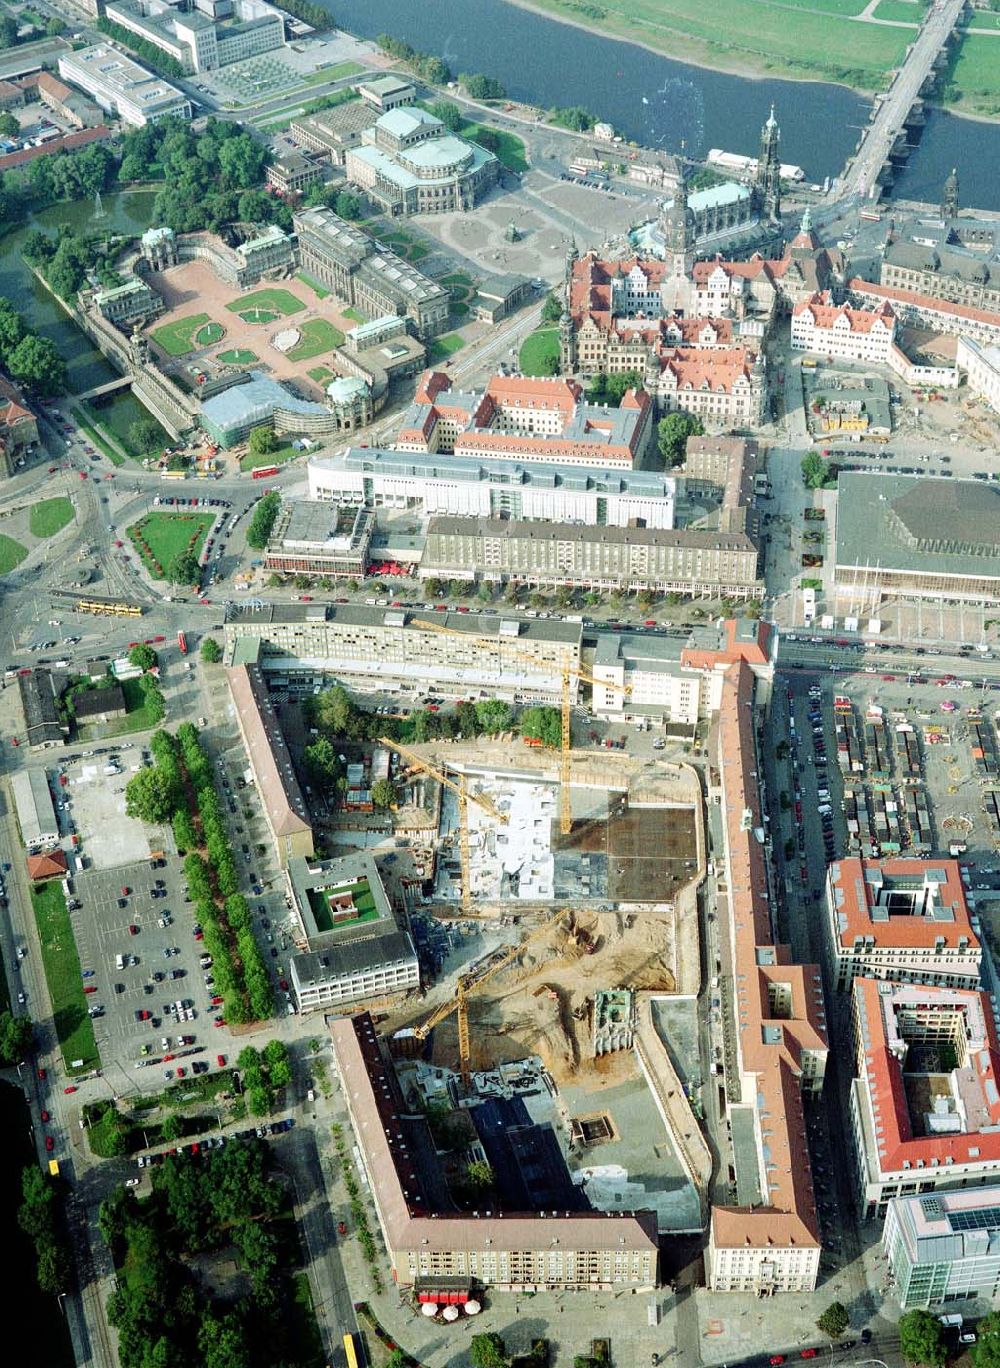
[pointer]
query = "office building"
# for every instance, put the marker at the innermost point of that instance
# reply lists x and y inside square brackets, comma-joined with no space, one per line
[900,919]
[925,1101]
[312,538]
[284,807]
[502,551]
[67,103]
[408,163]
[483,487]
[944,1249]
[366,276]
[482,654]
[123,87]
[910,537]
[36,813]
[842,332]
[436,1247]
[523,419]
[203,37]
[943,269]
[357,950]
[292,173]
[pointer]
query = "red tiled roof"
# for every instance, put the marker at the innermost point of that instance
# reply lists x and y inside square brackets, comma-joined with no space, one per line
[67,144]
[702,368]
[51,864]
[890,294]
[827,315]
[854,906]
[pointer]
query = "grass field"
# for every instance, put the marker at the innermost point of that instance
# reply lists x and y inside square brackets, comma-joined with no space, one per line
[178,338]
[812,37]
[354,316]
[320,373]
[462,289]
[284,453]
[317,336]
[403,244]
[442,347]
[272,300]
[12,553]
[509,150]
[141,711]
[208,334]
[237,356]
[905,11]
[333,73]
[74,1028]
[320,291]
[973,79]
[50,516]
[536,348]
[166,535]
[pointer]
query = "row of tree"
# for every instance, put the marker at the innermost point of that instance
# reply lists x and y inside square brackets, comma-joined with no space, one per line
[164,1315]
[264,1073]
[26,357]
[150,53]
[10,34]
[429,68]
[41,1217]
[262,522]
[15,1038]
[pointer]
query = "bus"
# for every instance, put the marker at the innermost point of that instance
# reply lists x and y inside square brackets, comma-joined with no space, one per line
[354,1359]
[264,472]
[871,215]
[182,643]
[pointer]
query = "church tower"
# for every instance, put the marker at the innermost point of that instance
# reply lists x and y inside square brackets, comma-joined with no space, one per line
[949,197]
[767,181]
[567,329]
[677,223]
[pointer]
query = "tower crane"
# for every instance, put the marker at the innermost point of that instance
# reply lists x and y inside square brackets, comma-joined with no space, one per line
[460,787]
[569,671]
[471,983]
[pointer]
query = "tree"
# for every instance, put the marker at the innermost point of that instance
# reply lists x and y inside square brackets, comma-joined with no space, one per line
[835,1319]
[483,88]
[151,795]
[552,308]
[334,710]
[142,657]
[348,205]
[542,724]
[278,1063]
[814,470]
[36,361]
[449,114]
[185,568]
[672,433]
[493,715]
[262,442]
[262,522]
[8,31]
[322,762]
[9,126]
[54,27]
[15,1037]
[487,1351]
[383,794]
[575,118]
[986,1352]
[479,1175]
[921,1338]
[144,435]
[211,651]
[172,1129]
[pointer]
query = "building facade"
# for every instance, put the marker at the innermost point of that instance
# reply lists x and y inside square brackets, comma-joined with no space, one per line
[209,35]
[914,310]
[902,920]
[317,539]
[366,276]
[981,367]
[500,551]
[122,86]
[838,330]
[943,271]
[944,1249]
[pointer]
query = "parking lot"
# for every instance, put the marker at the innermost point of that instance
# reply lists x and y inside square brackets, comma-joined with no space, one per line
[95,805]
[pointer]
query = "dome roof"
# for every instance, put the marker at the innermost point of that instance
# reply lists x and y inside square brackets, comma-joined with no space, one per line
[345,388]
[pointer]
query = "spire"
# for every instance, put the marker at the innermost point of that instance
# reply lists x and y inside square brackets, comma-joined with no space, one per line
[772,122]
[806,225]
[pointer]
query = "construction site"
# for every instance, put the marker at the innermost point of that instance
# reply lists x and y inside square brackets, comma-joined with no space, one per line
[576,936]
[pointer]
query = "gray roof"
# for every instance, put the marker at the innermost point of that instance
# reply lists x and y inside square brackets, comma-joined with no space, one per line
[305,875]
[351,957]
[949,261]
[476,624]
[38,700]
[654,655]
[447,525]
[94,701]
[928,526]
[254,402]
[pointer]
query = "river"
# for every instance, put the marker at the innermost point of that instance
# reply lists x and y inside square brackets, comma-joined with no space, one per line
[667,104]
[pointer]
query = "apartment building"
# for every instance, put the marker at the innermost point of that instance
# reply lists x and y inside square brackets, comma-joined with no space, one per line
[768,1243]
[899,919]
[366,276]
[925,1101]
[481,487]
[123,87]
[357,951]
[914,310]
[944,1249]
[981,367]
[517,418]
[481,653]
[501,551]
[520,1252]
[209,35]
[841,331]
[284,806]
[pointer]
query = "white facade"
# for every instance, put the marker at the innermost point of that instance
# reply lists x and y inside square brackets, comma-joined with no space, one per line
[195,39]
[944,1248]
[122,86]
[466,487]
[659,686]
[844,333]
[746,1268]
[981,365]
[315,986]
[36,814]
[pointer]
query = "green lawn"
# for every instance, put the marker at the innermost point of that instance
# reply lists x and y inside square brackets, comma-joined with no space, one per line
[286,452]
[334,73]
[166,535]
[897,10]
[536,348]
[320,373]
[509,149]
[12,553]
[74,1028]
[984,19]
[208,334]
[50,516]
[237,356]
[443,347]
[97,435]
[270,299]
[973,79]
[141,711]
[178,338]
[403,244]
[305,1343]
[320,291]
[317,336]
[354,316]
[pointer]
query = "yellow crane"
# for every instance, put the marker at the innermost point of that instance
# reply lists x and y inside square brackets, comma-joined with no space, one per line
[471,983]
[569,671]
[460,787]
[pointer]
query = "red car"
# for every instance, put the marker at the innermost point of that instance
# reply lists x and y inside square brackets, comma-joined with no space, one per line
[145,1015]
[199,935]
[221,1061]
[776,1358]
[83,474]
[42,1073]
[159,638]
[167,1058]
[90,988]
[133,930]
[219,1021]
[181,1072]
[45,1116]
[70,1089]
[650,622]
[203,600]
[341,1227]
[305,598]
[50,1144]
[125,888]
[53,469]
[808,1353]
[283,985]
[119,544]
[217,1001]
